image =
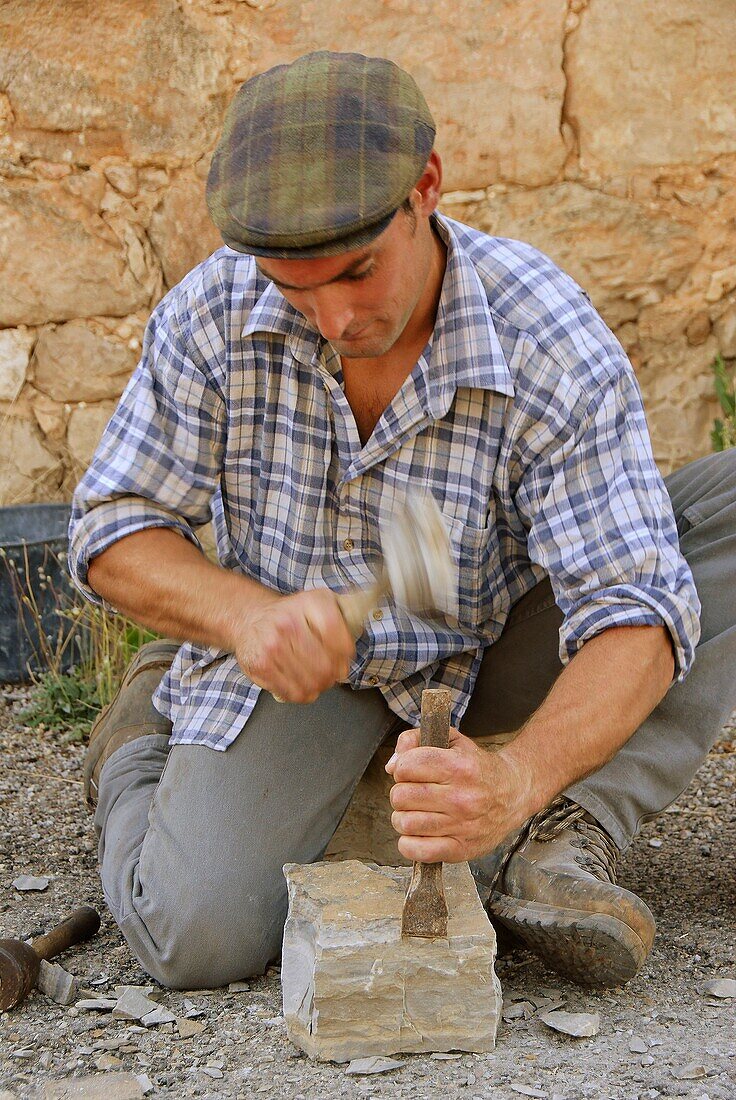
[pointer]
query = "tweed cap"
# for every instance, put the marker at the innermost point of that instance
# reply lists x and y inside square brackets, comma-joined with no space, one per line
[316,157]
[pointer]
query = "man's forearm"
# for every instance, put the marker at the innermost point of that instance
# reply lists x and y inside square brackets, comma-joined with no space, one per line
[161,580]
[597,702]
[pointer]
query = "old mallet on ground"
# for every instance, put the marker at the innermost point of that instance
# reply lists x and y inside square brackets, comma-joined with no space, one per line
[21,961]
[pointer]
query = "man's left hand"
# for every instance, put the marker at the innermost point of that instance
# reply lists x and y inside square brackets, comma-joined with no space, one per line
[454,804]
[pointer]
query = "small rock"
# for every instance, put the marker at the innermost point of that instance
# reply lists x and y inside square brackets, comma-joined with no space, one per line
[638,1046]
[213,1072]
[718,987]
[521,1010]
[239,987]
[527,1090]
[366,1066]
[96,1004]
[580,1025]
[655,842]
[187,1028]
[111,1086]
[145,1082]
[693,1071]
[31,882]
[133,1005]
[445,1057]
[144,990]
[159,1015]
[108,1061]
[56,983]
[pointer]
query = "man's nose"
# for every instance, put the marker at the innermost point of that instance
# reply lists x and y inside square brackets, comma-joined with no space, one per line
[333,316]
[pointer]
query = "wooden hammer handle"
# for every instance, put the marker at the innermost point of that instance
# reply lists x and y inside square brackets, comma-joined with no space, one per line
[425,907]
[79,926]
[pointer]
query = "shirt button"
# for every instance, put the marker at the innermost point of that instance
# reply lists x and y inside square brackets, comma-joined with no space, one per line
[378,614]
[373,680]
[348,545]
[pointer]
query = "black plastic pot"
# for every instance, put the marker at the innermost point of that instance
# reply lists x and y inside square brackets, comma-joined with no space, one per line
[33,543]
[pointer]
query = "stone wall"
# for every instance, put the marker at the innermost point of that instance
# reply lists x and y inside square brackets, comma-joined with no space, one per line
[602,132]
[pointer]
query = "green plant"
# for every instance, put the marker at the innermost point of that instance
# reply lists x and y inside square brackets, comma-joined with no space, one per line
[78,662]
[723,434]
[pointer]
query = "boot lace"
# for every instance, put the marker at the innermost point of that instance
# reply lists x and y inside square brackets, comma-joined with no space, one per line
[598,851]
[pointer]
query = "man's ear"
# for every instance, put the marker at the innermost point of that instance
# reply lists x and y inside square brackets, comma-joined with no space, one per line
[427,190]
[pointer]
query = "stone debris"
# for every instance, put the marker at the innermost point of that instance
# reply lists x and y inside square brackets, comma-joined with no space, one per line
[133,1005]
[693,1071]
[239,987]
[718,987]
[24,883]
[145,1082]
[638,1046]
[96,1004]
[108,1061]
[57,983]
[144,990]
[520,1010]
[440,1057]
[364,1067]
[527,1090]
[655,842]
[159,1015]
[580,1025]
[108,1086]
[187,1027]
[212,1071]
[353,987]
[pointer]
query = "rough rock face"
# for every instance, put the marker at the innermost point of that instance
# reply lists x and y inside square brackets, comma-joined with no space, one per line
[353,987]
[549,131]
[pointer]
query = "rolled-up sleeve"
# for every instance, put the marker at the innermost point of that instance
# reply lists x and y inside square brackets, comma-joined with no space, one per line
[601,525]
[158,462]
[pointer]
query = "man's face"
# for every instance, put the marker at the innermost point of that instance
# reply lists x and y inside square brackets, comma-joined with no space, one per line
[361,300]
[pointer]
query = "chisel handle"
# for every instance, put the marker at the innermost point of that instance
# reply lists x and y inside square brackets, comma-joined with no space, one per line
[425,907]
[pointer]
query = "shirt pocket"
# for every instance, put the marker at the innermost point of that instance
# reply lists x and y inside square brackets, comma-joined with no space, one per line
[476,604]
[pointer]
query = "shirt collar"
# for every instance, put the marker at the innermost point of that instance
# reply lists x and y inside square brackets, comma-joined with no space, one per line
[465,350]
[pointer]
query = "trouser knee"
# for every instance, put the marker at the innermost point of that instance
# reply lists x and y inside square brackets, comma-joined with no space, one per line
[204,947]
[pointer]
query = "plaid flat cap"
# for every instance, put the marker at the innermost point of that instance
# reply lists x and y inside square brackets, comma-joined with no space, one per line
[316,157]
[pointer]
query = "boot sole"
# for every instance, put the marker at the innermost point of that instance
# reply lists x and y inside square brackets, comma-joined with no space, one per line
[593,949]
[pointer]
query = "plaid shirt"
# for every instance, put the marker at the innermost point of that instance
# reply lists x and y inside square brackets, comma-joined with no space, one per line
[522,417]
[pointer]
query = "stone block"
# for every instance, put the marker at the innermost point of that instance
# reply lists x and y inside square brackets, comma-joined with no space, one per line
[627,65]
[102,1086]
[76,363]
[353,987]
[181,230]
[15,354]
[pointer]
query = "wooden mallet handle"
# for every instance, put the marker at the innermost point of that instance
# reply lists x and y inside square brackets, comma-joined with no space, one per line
[425,907]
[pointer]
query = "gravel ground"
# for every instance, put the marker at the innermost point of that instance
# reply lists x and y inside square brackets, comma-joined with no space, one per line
[659,1036]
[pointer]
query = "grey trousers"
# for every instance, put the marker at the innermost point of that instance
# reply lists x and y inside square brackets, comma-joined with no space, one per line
[192,841]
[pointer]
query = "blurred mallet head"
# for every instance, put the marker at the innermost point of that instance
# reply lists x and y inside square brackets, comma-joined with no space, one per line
[417,558]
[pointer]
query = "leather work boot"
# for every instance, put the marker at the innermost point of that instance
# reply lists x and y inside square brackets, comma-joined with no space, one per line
[131,713]
[558,894]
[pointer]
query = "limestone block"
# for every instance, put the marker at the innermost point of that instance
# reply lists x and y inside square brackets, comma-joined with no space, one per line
[60,262]
[352,987]
[121,78]
[628,66]
[75,363]
[28,471]
[624,255]
[51,417]
[86,425]
[15,354]
[491,71]
[181,230]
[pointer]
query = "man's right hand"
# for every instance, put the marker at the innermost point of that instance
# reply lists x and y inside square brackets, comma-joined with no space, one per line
[295,646]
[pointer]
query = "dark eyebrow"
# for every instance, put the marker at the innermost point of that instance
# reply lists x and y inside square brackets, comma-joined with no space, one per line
[349,270]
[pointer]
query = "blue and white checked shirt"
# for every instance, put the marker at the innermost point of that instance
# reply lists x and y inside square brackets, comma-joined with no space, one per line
[522,417]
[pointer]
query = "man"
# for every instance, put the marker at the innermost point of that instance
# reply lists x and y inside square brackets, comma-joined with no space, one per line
[346,347]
